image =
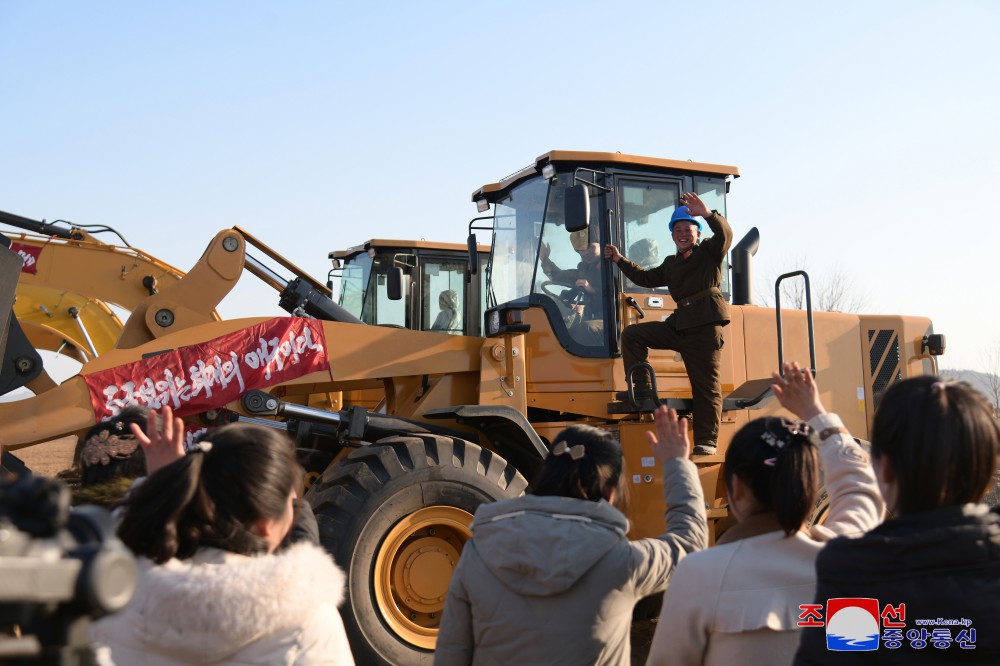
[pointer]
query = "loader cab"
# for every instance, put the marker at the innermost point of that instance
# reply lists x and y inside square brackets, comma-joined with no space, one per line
[542,256]
[419,285]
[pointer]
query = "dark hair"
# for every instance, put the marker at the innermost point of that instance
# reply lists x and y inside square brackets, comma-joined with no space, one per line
[110,452]
[592,475]
[214,497]
[779,462]
[941,439]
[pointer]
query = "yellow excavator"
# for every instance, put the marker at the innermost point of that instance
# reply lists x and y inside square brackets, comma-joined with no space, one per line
[467,419]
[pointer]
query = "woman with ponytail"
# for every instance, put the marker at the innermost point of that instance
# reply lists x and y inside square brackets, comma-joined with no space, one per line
[738,602]
[551,577]
[934,564]
[212,588]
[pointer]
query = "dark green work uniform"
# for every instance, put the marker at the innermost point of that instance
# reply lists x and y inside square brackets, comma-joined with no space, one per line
[694,329]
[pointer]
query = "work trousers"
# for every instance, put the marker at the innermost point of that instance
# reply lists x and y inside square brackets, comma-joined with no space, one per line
[700,349]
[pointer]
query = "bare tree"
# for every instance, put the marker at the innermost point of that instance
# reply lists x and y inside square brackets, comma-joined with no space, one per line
[991,370]
[793,295]
[838,293]
[835,292]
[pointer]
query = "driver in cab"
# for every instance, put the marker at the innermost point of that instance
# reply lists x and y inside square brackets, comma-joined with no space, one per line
[585,321]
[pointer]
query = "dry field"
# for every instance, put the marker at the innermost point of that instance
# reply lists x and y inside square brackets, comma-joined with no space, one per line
[49,458]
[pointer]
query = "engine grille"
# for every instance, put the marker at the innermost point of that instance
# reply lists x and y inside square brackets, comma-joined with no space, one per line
[884,358]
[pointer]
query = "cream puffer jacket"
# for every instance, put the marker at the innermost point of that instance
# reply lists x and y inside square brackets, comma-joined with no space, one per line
[223,608]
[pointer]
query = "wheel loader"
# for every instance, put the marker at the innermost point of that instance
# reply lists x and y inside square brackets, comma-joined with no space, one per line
[468,419]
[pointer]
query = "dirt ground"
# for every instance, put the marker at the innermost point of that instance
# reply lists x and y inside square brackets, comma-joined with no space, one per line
[49,458]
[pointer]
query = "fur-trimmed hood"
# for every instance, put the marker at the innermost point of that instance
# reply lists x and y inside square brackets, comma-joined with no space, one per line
[218,605]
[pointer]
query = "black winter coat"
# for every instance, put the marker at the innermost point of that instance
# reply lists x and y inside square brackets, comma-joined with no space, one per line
[942,564]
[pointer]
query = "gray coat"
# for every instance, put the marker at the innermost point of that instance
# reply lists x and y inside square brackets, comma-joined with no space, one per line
[553,580]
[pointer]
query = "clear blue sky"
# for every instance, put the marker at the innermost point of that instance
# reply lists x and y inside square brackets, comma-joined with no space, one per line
[867,132]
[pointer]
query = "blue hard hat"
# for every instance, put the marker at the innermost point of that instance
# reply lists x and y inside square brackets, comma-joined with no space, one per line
[683,213]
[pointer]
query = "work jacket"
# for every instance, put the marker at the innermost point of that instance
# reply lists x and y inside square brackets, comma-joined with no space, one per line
[694,282]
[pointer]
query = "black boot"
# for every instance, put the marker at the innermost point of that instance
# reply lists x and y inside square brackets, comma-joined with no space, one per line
[644,391]
[705,449]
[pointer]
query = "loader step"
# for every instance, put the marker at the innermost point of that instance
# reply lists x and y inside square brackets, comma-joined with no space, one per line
[753,394]
[750,394]
[622,405]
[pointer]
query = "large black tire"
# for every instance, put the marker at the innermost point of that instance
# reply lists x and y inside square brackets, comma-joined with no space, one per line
[395,515]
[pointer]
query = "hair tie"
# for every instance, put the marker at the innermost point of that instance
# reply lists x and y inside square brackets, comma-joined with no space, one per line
[780,438]
[939,386]
[204,446]
[104,447]
[575,452]
[771,462]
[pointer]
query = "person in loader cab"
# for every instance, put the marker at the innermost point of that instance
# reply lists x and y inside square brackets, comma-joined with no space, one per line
[693,276]
[552,577]
[586,319]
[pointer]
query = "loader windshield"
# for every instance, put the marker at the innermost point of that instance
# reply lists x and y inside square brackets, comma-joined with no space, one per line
[363,290]
[536,258]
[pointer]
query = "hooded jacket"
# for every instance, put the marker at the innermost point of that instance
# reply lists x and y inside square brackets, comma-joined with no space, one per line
[553,580]
[223,608]
[943,563]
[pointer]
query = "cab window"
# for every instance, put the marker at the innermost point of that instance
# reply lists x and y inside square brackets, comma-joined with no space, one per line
[713,192]
[444,297]
[646,210]
[646,207]
[378,308]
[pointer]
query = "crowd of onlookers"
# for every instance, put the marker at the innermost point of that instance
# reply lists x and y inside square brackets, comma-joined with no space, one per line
[228,552]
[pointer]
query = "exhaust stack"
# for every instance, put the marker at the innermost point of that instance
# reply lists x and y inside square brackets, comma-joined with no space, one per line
[742,264]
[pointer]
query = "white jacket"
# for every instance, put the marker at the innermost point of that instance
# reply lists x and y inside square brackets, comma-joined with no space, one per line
[223,608]
[738,602]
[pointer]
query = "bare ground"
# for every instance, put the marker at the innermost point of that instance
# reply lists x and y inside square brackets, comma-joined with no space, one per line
[50,458]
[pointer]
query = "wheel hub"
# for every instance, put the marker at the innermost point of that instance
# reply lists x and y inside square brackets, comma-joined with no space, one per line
[413,568]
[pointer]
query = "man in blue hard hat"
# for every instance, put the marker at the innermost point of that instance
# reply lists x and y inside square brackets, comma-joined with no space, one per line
[693,276]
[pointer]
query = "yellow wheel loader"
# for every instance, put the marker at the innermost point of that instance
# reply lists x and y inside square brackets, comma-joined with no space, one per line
[468,419]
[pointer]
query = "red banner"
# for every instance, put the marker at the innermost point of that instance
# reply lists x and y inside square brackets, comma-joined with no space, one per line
[211,374]
[29,255]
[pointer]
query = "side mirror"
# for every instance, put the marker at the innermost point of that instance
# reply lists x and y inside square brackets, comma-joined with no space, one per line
[394,284]
[933,344]
[473,254]
[577,208]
